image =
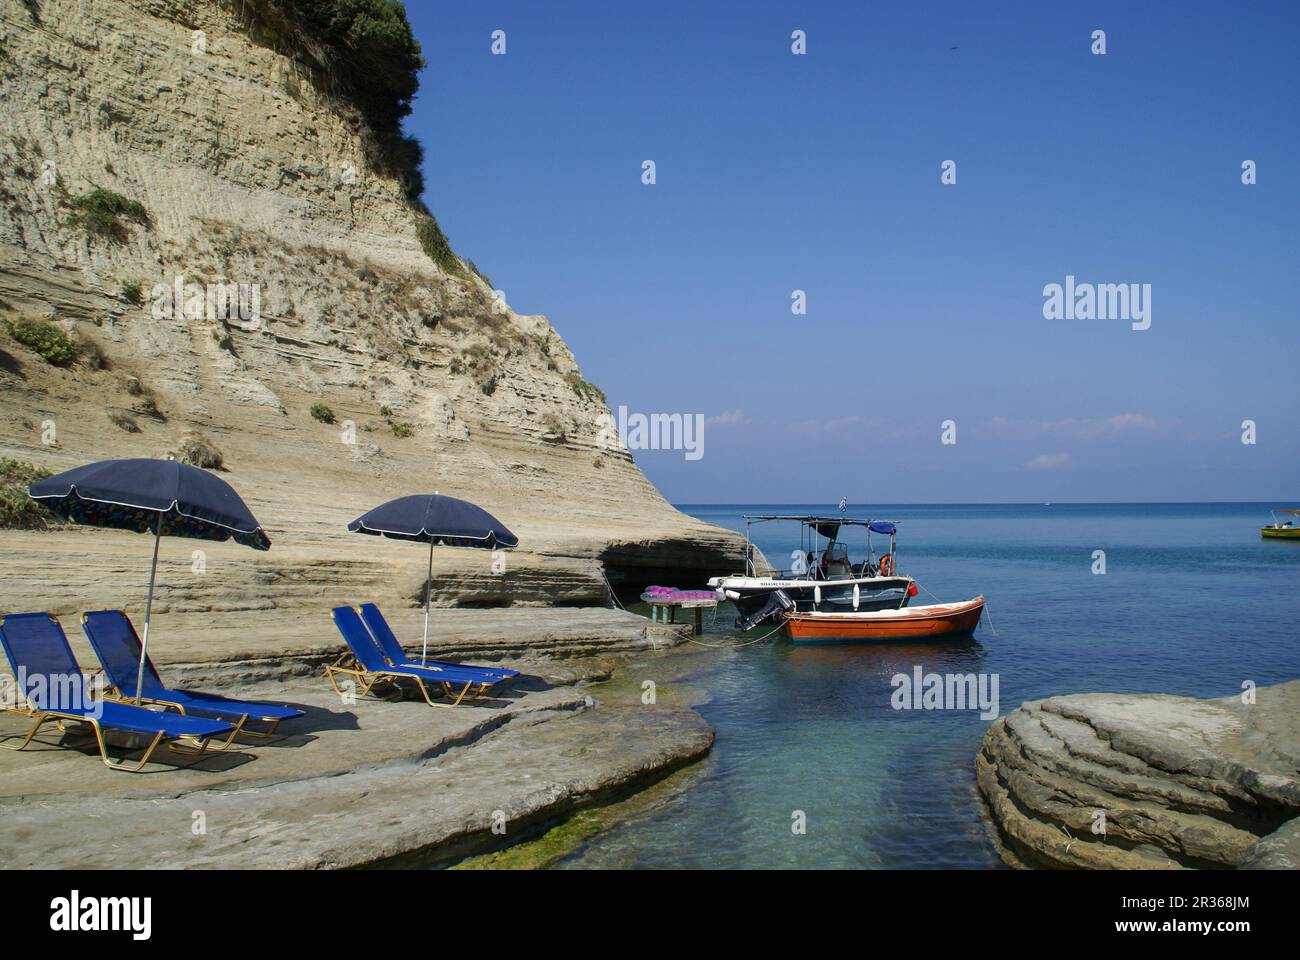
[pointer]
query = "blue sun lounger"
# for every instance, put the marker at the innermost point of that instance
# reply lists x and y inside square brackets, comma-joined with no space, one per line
[393,652]
[365,663]
[115,642]
[51,684]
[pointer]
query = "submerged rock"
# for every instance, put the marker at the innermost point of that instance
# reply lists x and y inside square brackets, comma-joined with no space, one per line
[1139,781]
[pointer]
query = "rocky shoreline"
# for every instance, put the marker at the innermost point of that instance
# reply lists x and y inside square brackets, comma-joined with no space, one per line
[1146,781]
[363,784]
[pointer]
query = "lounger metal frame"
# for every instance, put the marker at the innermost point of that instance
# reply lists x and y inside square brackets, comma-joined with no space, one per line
[194,745]
[113,692]
[348,664]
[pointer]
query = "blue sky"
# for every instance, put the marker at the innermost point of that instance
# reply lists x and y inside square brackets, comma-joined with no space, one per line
[821,173]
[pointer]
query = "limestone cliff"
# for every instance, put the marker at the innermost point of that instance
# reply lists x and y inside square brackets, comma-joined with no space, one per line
[250,170]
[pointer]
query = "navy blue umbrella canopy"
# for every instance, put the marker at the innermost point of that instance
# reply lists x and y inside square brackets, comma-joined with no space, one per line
[151,496]
[162,497]
[431,518]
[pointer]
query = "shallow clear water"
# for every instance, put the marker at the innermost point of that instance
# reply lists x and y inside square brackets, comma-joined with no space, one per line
[1193,602]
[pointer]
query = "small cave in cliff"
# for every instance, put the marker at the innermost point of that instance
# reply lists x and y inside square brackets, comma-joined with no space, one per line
[686,564]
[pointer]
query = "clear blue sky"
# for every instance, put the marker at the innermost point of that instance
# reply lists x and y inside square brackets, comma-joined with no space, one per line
[925,302]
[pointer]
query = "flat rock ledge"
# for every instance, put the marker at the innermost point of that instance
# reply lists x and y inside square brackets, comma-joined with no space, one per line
[1175,781]
[350,785]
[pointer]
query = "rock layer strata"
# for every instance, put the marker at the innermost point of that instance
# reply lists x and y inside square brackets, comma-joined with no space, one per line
[1146,780]
[252,172]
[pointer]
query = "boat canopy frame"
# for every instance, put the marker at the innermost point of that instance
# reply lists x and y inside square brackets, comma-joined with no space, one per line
[812,526]
[1278,524]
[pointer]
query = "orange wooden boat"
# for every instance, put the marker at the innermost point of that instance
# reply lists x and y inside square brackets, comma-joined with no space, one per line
[936,621]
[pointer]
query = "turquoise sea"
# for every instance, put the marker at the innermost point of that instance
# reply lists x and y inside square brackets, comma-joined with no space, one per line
[1193,602]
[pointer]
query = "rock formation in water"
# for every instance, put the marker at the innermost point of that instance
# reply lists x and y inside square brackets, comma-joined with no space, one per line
[1173,781]
[151,146]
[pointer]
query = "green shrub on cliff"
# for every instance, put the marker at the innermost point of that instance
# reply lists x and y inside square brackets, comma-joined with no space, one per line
[369,52]
[101,212]
[322,412]
[132,292]
[17,510]
[45,338]
[584,388]
[435,244]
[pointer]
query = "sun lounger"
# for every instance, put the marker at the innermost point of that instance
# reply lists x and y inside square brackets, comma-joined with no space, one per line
[115,642]
[365,663]
[51,687]
[393,652]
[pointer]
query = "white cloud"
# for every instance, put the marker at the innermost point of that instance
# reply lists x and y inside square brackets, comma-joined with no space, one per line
[1130,421]
[826,426]
[1049,461]
[1095,427]
[728,418]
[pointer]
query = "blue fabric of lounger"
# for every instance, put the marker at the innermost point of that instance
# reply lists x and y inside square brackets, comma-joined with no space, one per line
[387,640]
[367,652]
[115,642]
[52,682]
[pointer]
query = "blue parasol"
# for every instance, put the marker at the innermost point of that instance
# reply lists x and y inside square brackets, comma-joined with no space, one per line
[163,496]
[432,518]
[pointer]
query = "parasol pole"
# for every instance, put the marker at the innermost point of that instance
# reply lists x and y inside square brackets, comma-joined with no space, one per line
[148,609]
[428,589]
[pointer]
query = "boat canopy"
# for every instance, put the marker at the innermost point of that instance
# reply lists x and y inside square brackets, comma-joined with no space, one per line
[830,526]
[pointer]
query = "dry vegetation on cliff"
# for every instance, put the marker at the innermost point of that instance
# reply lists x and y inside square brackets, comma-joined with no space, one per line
[252,163]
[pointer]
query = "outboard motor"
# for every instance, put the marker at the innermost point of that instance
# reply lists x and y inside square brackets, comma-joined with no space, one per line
[777,603]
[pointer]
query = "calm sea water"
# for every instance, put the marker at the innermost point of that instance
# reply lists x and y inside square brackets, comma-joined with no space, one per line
[1193,602]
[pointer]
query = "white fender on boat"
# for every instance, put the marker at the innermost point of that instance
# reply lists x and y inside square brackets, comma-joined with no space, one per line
[730,594]
[817,595]
[856,596]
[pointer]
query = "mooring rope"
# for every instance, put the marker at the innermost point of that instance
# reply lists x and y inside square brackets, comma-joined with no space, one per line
[717,646]
[609,587]
[987,612]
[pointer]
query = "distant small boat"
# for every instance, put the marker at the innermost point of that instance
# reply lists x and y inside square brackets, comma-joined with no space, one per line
[1281,529]
[936,621]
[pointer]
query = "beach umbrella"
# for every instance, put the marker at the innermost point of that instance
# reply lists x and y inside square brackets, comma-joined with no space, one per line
[431,518]
[164,497]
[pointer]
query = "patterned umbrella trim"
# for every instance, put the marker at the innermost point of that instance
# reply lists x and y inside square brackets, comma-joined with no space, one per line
[174,507]
[362,527]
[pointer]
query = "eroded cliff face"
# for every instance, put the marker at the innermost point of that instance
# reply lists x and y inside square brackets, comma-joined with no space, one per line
[251,173]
